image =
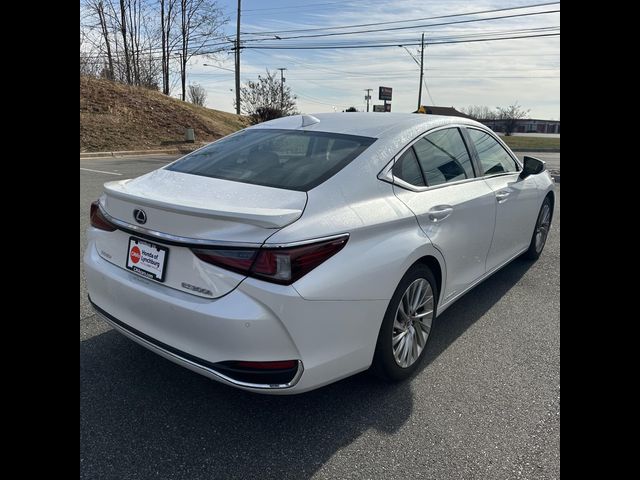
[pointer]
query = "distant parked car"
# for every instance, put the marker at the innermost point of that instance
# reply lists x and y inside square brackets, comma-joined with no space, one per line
[306,249]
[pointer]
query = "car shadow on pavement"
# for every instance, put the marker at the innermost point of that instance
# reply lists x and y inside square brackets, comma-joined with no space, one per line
[470,307]
[142,416]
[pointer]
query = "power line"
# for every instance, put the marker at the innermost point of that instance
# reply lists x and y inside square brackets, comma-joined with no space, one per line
[458,36]
[325,47]
[332,71]
[399,21]
[292,6]
[455,22]
[402,77]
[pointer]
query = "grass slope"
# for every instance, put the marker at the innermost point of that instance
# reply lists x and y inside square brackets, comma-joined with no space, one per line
[120,117]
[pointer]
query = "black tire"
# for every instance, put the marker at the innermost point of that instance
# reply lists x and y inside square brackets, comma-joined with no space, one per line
[534,251]
[384,364]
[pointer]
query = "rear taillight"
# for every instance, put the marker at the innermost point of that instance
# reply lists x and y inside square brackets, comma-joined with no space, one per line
[98,220]
[235,259]
[278,265]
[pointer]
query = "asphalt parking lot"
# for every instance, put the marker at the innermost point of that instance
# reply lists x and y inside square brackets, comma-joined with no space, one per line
[485,404]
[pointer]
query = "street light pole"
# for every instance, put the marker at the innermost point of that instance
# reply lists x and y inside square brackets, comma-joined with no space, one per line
[282,89]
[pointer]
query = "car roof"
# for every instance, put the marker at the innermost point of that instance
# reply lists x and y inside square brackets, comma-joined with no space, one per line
[368,124]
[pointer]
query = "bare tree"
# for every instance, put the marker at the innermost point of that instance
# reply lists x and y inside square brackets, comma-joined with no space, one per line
[197,94]
[480,112]
[262,101]
[200,23]
[125,41]
[510,115]
[95,42]
[105,33]
[167,20]
[137,41]
[134,20]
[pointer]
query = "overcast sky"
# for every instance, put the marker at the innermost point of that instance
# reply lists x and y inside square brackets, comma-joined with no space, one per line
[495,73]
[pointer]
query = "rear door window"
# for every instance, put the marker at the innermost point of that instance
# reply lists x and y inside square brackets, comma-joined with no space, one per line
[443,157]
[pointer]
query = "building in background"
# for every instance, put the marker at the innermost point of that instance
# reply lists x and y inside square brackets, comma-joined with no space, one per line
[526,125]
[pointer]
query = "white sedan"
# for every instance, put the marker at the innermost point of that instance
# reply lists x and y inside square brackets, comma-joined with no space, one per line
[300,251]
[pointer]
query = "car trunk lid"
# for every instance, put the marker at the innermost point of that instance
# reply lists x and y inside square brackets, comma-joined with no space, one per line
[184,210]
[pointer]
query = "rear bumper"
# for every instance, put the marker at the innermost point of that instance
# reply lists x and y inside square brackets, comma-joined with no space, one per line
[257,322]
[199,365]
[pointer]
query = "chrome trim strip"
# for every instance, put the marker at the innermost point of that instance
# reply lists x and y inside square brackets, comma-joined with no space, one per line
[210,243]
[217,374]
[386,176]
[174,238]
[306,242]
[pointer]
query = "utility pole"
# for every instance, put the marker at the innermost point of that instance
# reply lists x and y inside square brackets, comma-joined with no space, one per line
[421,73]
[367,97]
[282,79]
[238,61]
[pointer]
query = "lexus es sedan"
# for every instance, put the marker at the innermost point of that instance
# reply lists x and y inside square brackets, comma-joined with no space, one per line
[302,250]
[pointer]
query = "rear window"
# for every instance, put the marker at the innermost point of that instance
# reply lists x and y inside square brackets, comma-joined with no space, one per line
[290,159]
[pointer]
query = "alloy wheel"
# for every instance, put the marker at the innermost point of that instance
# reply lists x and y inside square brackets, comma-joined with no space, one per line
[412,323]
[542,229]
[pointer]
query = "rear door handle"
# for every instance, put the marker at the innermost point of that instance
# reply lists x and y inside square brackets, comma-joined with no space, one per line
[440,212]
[502,195]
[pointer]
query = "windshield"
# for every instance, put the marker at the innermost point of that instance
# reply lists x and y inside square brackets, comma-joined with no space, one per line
[290,159]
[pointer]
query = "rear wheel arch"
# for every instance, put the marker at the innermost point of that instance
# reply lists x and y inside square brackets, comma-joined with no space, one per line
[434,265]
[552,197]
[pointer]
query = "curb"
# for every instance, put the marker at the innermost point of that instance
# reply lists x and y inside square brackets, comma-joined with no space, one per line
[125,153]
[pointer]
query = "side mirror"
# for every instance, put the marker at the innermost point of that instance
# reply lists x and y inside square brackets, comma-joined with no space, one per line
[532,166]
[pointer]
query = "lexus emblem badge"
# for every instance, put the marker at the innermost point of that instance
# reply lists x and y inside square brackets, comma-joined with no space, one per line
[140,216]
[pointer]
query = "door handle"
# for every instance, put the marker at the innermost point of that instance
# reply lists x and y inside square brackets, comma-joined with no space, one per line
[439,213]
[502,195]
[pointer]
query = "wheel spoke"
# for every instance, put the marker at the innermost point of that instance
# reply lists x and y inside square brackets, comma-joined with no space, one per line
[425,329]
[397,352]
[422,339]
[397,325]
[416,296]
[426,300]
[405,303]
[423,314]
[405,350]
[403,313]
[399,337]
[414,347]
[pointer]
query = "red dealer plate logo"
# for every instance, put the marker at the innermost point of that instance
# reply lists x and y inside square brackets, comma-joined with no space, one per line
[135,254]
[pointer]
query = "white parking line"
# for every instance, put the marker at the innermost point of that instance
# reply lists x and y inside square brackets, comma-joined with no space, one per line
[99,171]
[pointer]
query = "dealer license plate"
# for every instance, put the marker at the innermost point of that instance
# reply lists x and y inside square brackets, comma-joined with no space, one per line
[147,259]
